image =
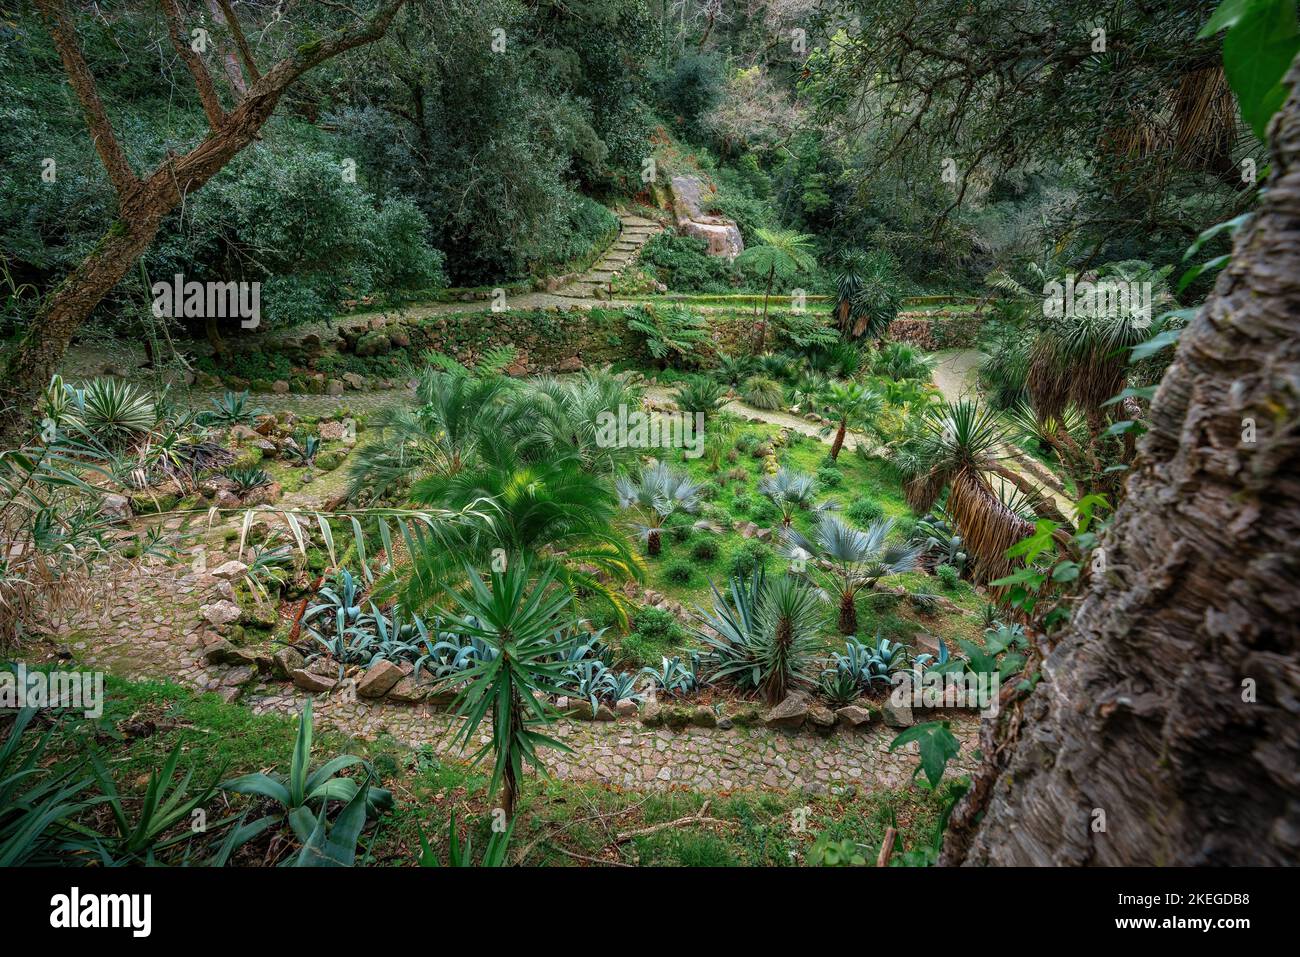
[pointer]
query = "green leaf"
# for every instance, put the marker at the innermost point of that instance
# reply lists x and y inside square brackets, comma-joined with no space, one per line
[1153,345]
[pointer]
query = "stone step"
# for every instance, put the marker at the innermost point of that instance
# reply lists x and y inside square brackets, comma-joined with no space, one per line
[629,220]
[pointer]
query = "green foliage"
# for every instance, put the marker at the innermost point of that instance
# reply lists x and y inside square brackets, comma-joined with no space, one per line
[701,394]
[1261,42]
[233,408]
[750,557]
[682,263]
[864,510]
[672,334]
[763,393]
[302,789]
[705,550]
[679,571]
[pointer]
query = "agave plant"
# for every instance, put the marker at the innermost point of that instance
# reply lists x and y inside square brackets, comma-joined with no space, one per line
[672,677]
[233,408]
[305,452]
[854,559]
[302,789]
[247,480]
[114,411]
[790,491]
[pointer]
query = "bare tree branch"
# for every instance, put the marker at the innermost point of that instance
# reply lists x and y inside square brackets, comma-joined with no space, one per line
[202,79]
[82,80]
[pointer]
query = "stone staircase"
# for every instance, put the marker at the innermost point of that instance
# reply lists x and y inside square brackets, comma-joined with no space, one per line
[634,233]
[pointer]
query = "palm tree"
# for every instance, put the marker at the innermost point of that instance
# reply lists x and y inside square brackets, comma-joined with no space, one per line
[555,512]
[523,623]
[782,253]
[657,494]
[789,491]
[867,294]
[957,449]
[564,416]
[854,559]
[851,406]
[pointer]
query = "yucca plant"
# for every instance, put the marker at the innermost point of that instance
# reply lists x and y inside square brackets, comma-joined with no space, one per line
[526,624]
[302,789]
[462,855]
[763,393]
[854,560]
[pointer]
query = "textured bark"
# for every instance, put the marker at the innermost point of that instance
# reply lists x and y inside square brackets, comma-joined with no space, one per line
[839,441]
[848,614]
[144,204]
[1141,713]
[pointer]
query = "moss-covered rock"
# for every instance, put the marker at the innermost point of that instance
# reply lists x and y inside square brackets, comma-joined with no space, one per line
[149,503]
[247,458]
[330,459]
[373,344]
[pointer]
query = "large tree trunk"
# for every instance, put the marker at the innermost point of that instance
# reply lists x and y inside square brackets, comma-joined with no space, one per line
[1166,727]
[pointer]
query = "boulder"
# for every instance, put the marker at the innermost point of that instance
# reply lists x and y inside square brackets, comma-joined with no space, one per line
[652,713]
[896,714]
[702,716]
[230,571]
[379,679]
[821,717]
[329,460]
[331,431]
[854,716]
[790,713]
[286,661]
[226,499]
[224,653]
[266,494]
[220,613]
[408,691]
[115,508]
[721,234]
[333,386]
[571,364]
[354,381]
[280,387]
[373,344]
[308,681]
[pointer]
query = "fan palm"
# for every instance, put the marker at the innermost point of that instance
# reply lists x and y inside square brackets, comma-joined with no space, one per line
[789,491]
[853,559]
[657,494]
[780,254]
[851,406]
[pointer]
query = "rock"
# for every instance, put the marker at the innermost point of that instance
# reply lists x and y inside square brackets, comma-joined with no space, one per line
[821,717]
[373,344]
[571,364]
[266,494]
[312,682]
[721,234]
[331,431]
[206,380]
[747,530]
[220,613]
[703,717]
[652,713]
[398,337]
[354,381]
[790,713]
[115,508]
[329,460]
[226,499]
[747,715]
[222,652]
[725,724]
[259,615]
[896,715]
[239,676]
[239,434]
[677,718]
[333,386]
[605,713]
[625,708]
[854,716]
[408,691]
[379,679]
[230,571]
[286,661]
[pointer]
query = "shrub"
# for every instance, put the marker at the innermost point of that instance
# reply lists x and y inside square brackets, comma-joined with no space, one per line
[864,511]
[741,504]
[751,556]
[701,394]
[948,575]
[679,571]
[705,550]
[683,264]
[763,393]
[657,625]
[830,477]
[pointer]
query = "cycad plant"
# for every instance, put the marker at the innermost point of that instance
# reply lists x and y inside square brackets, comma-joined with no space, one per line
[114,411]
[655,495]
[850,406]
[779,254]
[789,491]
[853,560]
[554,511]
[702,395]
[524,622]
[900,361]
